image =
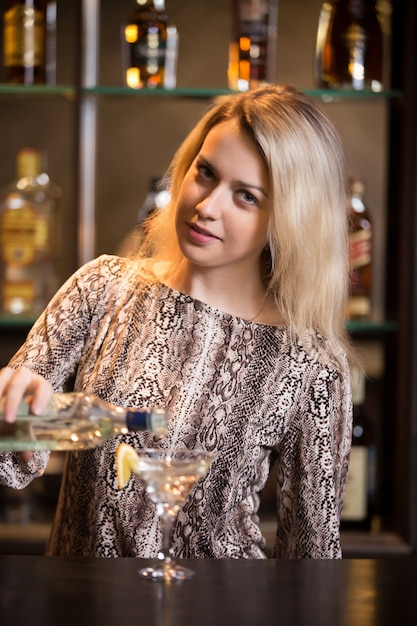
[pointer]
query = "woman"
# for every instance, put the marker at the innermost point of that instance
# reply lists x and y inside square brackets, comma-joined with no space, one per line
[232,316]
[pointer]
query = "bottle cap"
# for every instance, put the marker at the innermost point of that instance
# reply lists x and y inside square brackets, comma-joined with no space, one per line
[29,162]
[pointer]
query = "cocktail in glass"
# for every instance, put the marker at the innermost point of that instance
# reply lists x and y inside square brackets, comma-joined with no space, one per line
[169,475]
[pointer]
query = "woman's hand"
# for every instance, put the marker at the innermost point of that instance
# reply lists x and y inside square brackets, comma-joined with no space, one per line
[20,382]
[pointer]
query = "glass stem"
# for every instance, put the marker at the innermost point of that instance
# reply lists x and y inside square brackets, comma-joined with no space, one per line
[167,524]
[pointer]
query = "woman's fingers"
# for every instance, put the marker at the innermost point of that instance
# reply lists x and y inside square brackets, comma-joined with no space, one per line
[15,384]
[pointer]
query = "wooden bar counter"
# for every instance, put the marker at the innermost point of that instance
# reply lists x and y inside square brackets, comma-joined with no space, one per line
[58,591]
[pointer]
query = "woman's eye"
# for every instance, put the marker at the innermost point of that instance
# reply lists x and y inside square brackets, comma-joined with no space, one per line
[247,197]
[205,172]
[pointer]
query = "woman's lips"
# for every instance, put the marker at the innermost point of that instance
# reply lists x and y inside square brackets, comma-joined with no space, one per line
[200,235]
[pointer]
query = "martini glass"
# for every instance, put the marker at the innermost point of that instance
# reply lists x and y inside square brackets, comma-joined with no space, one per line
[169,475]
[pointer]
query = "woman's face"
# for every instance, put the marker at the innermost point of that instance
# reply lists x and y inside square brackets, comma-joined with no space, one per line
[224,203]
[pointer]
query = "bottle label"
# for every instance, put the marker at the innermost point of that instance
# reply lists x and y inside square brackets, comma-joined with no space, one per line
[23,37]
[355,505]
[22,234]
[136,420]
[154,420]
[18,296]
[355,39]
[360,248]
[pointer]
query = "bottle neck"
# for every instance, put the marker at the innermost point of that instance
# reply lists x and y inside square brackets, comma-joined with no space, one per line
[136,419]
[154,419]
[29,163]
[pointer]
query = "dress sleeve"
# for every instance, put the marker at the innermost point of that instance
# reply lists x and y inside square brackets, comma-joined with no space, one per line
[56,342]
[312,468]
[53,348]
[15,473]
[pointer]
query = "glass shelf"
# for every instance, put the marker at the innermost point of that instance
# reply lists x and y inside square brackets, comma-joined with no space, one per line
[184,92]
[16,321]
[326,95]
[369,326]
[37,90]
[336,95]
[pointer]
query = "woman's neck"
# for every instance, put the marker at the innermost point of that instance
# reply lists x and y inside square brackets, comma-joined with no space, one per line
[239,296]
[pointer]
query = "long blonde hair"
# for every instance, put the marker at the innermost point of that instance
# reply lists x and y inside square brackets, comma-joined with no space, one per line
[307,256]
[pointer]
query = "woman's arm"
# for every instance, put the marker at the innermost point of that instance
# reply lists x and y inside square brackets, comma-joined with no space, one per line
[47,362]
[312,470]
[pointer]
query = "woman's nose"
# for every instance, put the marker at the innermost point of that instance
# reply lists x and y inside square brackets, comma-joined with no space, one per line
[210,206]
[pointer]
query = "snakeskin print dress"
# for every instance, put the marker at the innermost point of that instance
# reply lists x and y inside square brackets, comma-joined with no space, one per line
[244,389]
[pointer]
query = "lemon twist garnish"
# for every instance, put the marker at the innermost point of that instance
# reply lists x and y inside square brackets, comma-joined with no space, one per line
[126,463]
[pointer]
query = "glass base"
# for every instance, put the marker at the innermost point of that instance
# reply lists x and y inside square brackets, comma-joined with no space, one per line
[166,571]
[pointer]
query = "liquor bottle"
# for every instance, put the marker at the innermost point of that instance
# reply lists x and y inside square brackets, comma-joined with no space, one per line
[27,27]
[252,48]
[349,47]
[157,198]
[360,252]
[30,237]
[75,421]
[150,47]
[360,493]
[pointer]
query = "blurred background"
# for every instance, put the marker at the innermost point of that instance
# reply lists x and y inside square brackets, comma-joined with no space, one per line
[137,137]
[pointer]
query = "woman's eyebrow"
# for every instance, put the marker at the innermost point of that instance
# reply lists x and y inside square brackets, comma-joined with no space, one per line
[252,186]
[202,159]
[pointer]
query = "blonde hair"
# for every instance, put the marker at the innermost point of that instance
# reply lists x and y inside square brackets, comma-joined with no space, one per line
[307,257]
